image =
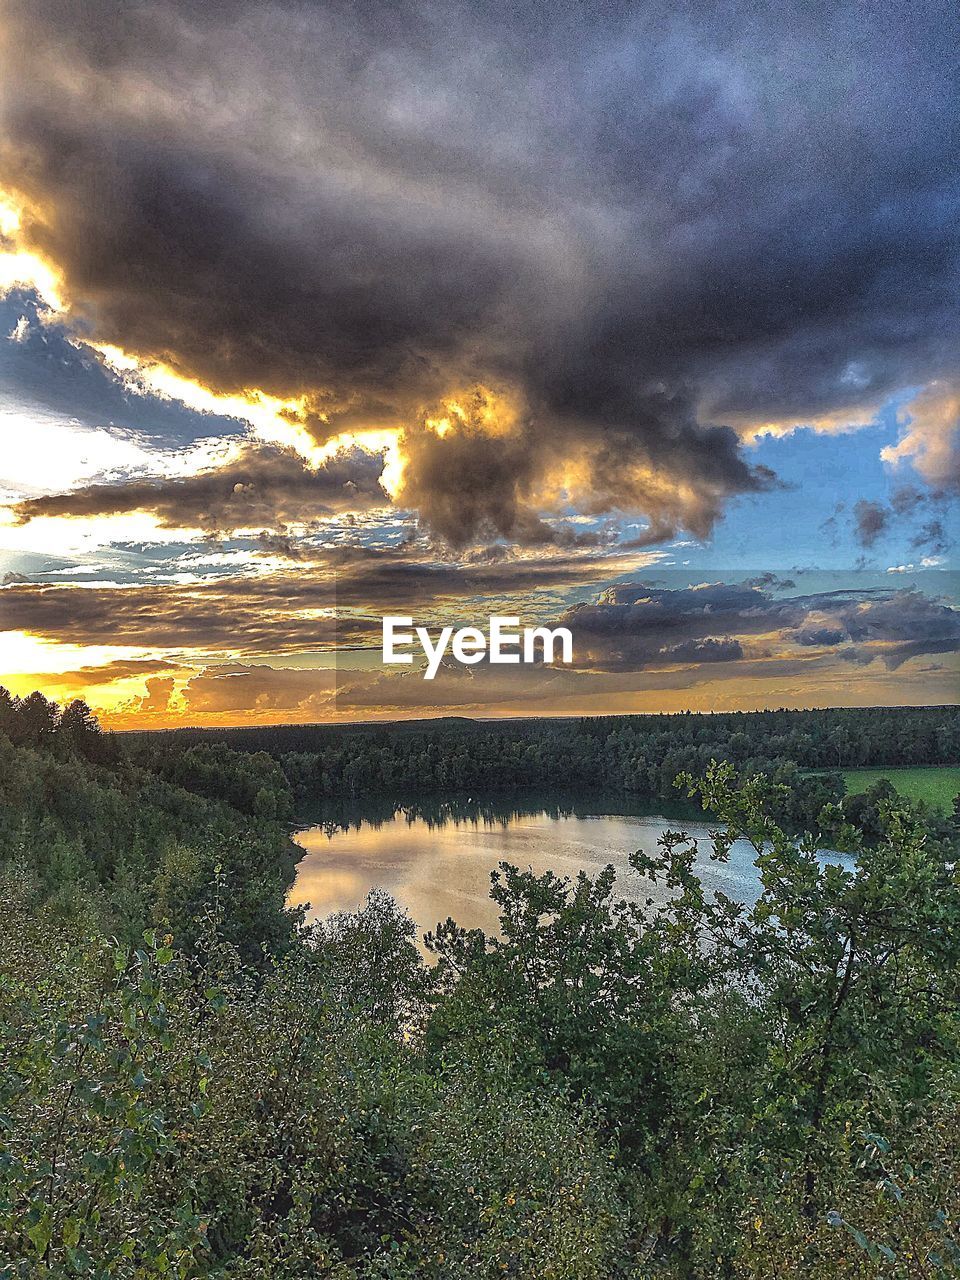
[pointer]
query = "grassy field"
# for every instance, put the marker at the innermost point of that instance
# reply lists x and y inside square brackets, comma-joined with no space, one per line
[936,784]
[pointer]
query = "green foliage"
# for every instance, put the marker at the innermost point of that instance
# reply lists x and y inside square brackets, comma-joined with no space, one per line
[168,1117]
[851,972]
[95,1096]
[684,1087]
[137,843]
[568,995]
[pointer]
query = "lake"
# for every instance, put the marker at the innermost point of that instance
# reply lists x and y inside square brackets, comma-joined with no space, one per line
[436,860]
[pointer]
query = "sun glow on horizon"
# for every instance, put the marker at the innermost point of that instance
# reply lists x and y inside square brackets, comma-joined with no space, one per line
[23,653]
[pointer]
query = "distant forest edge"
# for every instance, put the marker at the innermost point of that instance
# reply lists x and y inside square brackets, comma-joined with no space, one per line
[641,755]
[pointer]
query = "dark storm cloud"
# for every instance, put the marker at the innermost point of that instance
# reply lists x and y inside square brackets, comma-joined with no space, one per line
[906,623]
[290,612]
[642,222]
[224,616]
[634,637]
[473,482]
[635,608]
[815,637]
[634,626]
[264,485]
[402,582]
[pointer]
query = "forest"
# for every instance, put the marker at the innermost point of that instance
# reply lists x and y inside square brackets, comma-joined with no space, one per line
[641,756]
[195,1084]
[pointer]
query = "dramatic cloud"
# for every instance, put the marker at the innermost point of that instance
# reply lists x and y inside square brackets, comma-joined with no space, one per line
[450,309]
[207,651]
[641,226]
[338,601]
[632,627]
[228,615]
[634,642]
[489,471]
[262,486]
[638,608]
[898,626]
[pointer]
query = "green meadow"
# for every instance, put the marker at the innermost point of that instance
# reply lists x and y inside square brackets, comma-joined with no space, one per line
[936,785]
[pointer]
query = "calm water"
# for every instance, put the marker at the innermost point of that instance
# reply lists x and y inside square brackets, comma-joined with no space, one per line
[438,863]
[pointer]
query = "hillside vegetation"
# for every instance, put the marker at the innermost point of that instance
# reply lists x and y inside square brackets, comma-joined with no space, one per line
[192,1085]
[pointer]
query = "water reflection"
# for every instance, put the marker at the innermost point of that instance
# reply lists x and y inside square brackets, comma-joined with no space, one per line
[436,857]
[435,811]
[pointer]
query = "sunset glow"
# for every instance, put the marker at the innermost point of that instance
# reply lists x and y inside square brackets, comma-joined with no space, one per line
[284,350]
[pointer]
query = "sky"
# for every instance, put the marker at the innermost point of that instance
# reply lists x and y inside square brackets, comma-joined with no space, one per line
[638,319]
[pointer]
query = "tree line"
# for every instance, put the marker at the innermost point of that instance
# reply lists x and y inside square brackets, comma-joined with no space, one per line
[639,753]
[636,755]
